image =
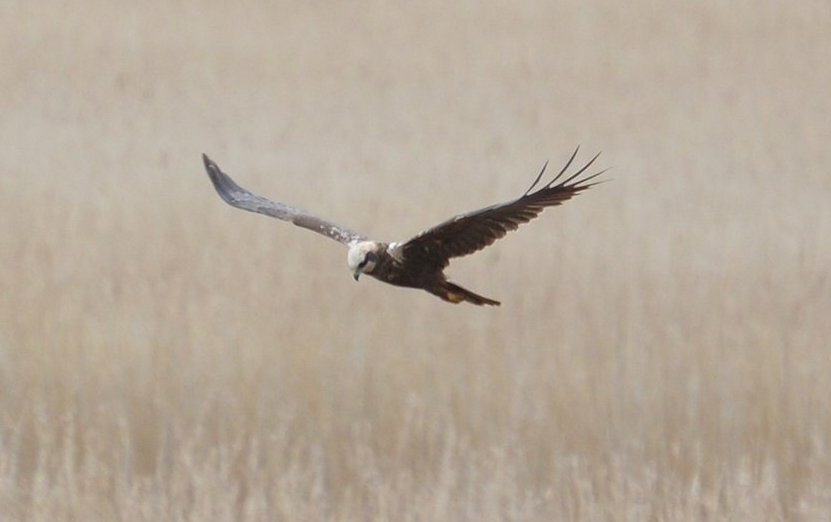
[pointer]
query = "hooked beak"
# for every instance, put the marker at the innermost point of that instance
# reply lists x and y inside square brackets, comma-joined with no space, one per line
[356,274]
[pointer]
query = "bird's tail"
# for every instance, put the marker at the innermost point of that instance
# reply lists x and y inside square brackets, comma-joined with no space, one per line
[456,294]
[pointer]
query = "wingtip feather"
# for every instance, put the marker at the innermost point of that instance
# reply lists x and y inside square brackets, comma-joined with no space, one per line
[224,185]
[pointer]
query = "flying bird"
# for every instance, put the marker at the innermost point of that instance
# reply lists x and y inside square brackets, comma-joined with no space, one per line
[420,261]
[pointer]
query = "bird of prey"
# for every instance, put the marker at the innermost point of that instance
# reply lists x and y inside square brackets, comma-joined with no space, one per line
[420,261]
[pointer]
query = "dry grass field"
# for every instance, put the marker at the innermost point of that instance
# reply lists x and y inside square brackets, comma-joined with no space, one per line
[663,351]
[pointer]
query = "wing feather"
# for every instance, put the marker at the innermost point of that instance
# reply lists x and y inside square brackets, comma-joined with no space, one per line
[239,197]
[470,232]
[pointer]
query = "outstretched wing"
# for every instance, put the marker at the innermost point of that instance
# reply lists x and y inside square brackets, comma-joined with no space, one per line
[239,197]
[473,231]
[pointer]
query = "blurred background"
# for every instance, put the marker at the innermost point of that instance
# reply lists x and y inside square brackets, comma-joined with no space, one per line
[662,350]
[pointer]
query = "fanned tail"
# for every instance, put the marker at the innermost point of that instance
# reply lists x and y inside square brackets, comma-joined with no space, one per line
[455,294]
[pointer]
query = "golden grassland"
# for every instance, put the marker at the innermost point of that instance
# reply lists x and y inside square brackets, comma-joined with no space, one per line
[662,351]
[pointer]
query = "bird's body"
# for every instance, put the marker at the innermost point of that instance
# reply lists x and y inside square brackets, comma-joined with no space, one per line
[390,266]
[420,261]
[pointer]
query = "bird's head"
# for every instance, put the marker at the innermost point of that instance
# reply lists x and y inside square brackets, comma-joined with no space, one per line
[362,258]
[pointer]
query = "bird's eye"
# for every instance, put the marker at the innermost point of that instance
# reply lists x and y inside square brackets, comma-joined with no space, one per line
[370,256]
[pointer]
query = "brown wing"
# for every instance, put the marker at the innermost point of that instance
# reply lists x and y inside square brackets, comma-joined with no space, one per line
[239,197]
[473,231]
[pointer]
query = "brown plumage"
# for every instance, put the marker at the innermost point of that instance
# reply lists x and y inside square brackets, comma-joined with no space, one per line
[420,261]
